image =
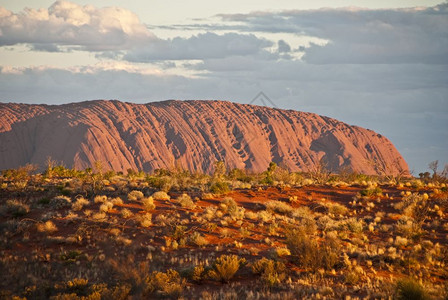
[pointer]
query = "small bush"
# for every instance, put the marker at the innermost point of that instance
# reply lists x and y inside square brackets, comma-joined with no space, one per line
[168,284]
[231,207]
[145,220]
[219,187]
[371,192]
[185,201]
[100,199]
[279,207]
[80,203]
[135,195]
[47,227]
[106,206]
[163,196]
[225,267]
[117,201]
[60,202]
[309,253]
[198,240]
[14,208]
[272,272]
[198,273]
[148,203]
[126,213]
[408,289]
[337,209]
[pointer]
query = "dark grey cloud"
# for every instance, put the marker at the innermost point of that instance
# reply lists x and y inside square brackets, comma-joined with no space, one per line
[202,46]
[413,35]
[283,47]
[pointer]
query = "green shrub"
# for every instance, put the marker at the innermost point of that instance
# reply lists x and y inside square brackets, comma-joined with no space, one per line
[163,183]
[408,289]
[225,267]
[371,192]
[219,187]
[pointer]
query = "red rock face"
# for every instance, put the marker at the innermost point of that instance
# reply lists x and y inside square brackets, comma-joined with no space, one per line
[193,134]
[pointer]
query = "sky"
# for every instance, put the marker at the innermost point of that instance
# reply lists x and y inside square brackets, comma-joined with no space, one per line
[381,65]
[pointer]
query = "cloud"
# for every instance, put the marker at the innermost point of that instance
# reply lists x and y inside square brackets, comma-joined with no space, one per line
[413,35]
[202,46]
[69,24]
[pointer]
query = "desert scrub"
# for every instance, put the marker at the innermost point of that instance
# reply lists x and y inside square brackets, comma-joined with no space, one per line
[148,203]
[219,187]
[415,206]
[80,203]
[14,208]
[126,213]
[99,216]
[117,201]
[47,227]
[78,288]
[409,228]
[198,274]
[410,289]
[309,253]
[371,192]
[106,206]
[272,272]
[230,206]
[337,209]
[185,201]
[281,252]
[225,267]
[160,195]
[168,284]
[279,207]
[60,202]
[198,240]
[353,224]
[145,220]
[135,195]
[100,199]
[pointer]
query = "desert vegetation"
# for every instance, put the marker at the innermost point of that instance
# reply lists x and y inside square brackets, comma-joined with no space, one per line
[70,234]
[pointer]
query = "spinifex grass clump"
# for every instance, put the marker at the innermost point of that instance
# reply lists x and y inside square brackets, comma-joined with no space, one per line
[225,267]
[310,253]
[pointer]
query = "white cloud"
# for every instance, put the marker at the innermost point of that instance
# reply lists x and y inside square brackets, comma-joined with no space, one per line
[69,24]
